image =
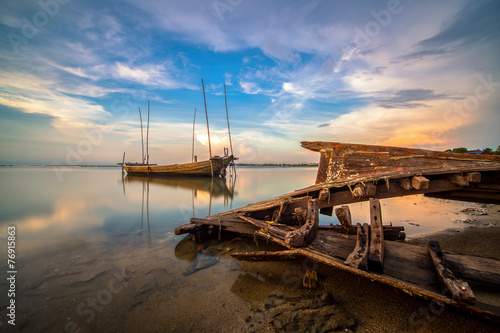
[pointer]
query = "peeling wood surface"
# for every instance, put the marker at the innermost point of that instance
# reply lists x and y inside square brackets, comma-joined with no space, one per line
[350,161]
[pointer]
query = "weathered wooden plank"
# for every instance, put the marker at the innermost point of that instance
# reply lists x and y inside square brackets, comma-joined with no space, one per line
[419,182]
[376,257]
[458,289]
[359,257]
[343,213]
[187,228]
[391,233]
[474,268]
[306,233]
[228,223]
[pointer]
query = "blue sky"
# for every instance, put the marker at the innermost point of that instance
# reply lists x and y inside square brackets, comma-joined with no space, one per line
[411,73]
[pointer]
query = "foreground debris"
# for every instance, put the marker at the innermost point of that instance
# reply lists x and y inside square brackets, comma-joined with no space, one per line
[350,173]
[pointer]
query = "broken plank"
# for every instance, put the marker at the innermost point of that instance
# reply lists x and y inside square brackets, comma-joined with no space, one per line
[359,257]
[188,228]
[324,194]
[228,223]
[306,233]
[420,182]
[266,226]
[376,258]
[458,289]
[344,215]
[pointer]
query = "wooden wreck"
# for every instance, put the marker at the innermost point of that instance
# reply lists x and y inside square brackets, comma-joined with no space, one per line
[350,173]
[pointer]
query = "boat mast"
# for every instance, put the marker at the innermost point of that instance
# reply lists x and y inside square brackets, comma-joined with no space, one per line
[142,137]
[206,115]
[192,151]
[227,117]
[147,140]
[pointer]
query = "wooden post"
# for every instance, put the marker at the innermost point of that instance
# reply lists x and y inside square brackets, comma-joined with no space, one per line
[420,182]
[324,194]
[459,289]
[376,258]
[344,215]
[359,257]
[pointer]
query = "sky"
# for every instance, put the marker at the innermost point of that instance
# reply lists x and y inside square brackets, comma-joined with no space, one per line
[73,75]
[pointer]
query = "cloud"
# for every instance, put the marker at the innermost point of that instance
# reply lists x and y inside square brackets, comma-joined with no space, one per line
[477,22]
[410,98]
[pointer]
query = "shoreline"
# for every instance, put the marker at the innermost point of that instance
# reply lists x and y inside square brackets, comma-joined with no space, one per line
[478,237]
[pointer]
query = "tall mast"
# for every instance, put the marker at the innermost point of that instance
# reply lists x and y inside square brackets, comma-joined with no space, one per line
[142,137]
[206,115]
[192,151]
[147,139]
[227,117]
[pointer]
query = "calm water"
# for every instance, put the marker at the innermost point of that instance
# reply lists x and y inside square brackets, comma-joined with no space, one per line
[95,250]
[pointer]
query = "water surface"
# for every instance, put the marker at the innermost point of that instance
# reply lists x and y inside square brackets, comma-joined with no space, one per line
[95,250]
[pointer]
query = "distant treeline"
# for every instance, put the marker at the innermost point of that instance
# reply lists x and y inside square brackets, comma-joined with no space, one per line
[274,165]
[465,150]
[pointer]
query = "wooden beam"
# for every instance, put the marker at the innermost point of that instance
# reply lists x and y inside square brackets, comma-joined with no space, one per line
[376,258]
[344,215]
[359,257]
[188,228]
[406,184]
[458,179]
[473,177]
[306,233]
[391,233]
[420,182]
[458,289]
[371,189]
[359,191]
[324,194]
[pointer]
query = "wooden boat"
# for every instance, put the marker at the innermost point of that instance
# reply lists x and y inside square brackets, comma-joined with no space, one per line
[213,167]
[350,173]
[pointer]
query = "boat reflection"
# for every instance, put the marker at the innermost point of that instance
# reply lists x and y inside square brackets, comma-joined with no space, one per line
[200,187]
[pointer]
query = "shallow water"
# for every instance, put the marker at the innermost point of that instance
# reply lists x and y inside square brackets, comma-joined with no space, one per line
[95,250]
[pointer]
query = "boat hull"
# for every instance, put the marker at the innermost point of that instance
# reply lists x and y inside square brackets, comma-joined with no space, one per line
[213,167]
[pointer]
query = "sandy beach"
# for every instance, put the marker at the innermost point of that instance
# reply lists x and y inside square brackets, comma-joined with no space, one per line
[480,236]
